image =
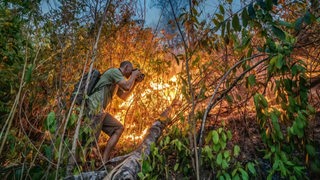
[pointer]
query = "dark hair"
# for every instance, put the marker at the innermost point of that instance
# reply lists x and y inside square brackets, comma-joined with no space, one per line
[124,63]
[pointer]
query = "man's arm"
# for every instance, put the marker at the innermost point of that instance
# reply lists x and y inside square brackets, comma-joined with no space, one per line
[125,94]
[127,86]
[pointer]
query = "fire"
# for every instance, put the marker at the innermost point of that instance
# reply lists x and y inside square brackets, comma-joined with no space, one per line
[167,91]
[134,137]
[159,86]
[174,79]
[127,102]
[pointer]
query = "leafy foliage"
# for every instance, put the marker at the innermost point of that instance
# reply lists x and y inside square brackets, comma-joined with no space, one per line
[217,158]
[257,59]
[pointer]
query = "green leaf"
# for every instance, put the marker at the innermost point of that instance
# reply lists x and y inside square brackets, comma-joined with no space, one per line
[48,152]
[234,172]
[176,166]
[167,140]
[146,167]
[283,169]
[224,164]
[208,151]
[267,156]
[72,120]
[276,125]
[29,73]
[196,61]
[219,159]
[223,144]
[229,99]
[311,150]
[307,18]
[262,4]
[50,123]
[216,147]
[223,27]
[260,101]
[228,29]
[251,11]
[236,177]
[220,17]
[245,17]
[226,154]
[294,70]
[275,2]
[251,168]
[216,23]
[286,24]
[141,175]
[229,135]
[283,156]
[268,5]
[251,80]
[227,176]
[224,136]
[275,164]
[226,39]
[235,23]
[280,61]
[236,150]
[221,9]
[298,24]
[244,174]
[311,109]
[215,137]
[278,32]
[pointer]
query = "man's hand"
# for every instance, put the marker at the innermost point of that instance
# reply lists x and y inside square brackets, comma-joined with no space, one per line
[135,73]
[140,76]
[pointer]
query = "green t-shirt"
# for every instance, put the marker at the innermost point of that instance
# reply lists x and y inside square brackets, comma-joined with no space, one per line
[99,100]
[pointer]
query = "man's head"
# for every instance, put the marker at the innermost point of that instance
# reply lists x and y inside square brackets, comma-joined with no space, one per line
[126,68]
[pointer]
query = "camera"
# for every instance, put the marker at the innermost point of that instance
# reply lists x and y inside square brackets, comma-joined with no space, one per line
[140,77]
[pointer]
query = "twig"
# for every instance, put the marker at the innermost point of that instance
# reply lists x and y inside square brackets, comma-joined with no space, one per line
[190,117]
[212,103]
[75,138]
[13,108]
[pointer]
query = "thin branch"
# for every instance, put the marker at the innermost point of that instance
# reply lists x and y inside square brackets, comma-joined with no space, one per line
[212,103]
[14,107]
[190,117]
[75,138]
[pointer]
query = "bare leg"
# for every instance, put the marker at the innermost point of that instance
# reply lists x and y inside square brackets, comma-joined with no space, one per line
[111,143]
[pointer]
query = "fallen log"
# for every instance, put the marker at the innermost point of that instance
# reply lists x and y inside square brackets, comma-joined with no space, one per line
[131,163]
[130,167]
[88,175]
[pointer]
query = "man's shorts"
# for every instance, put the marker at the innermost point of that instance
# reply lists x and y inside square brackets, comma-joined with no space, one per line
[106,123]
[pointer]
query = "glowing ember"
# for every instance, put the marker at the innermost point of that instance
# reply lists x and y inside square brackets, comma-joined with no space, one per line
[159,86]
[127,102]
[118,116]
[174,79]
[133,136]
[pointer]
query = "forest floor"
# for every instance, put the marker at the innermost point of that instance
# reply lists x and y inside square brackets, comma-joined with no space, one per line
[246,134]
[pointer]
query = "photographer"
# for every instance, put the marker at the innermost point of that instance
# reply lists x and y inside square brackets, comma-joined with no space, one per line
[115,80]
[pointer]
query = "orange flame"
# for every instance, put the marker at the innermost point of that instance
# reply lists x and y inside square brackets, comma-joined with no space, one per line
[134,137]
